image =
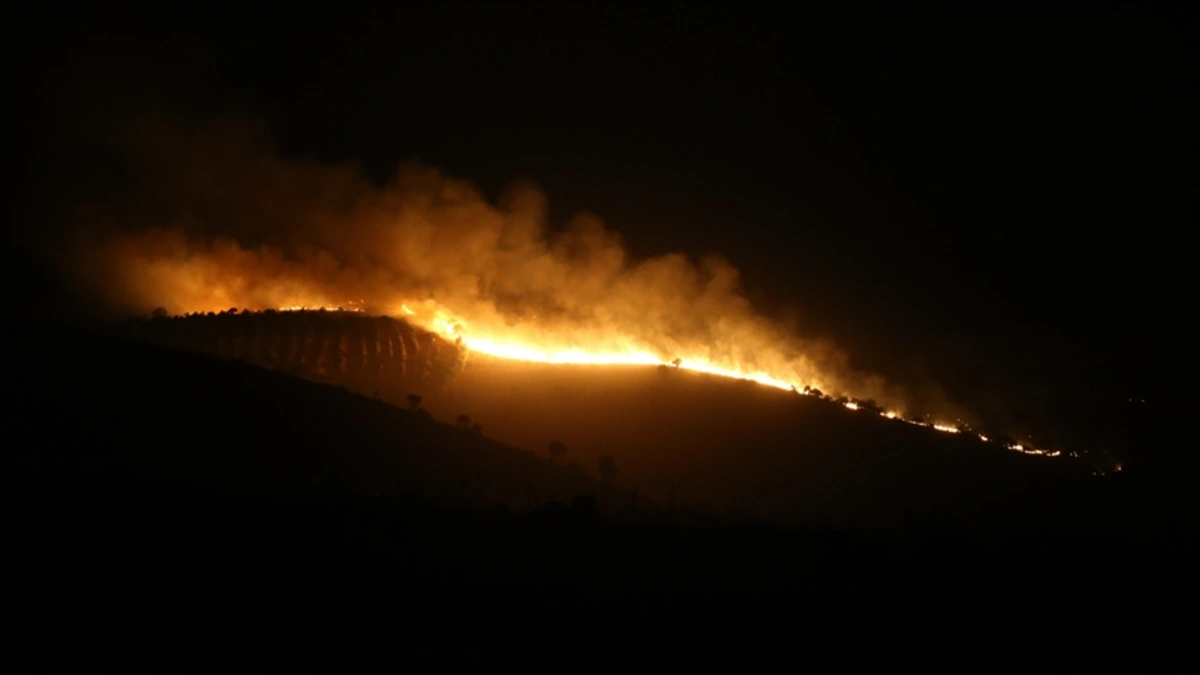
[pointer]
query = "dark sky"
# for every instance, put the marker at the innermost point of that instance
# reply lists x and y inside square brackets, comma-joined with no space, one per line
[999,197]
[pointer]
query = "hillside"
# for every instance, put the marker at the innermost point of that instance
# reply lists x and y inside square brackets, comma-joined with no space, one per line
[174,508]
[679,437]
[737,446]
[120,409]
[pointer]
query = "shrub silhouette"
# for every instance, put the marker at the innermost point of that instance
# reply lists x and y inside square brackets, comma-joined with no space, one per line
[557,450]
[870,405]
[584,505]
[463,422]
[607,467]
[414,401]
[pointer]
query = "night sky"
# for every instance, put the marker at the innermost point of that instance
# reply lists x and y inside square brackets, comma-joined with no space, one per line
[998,199]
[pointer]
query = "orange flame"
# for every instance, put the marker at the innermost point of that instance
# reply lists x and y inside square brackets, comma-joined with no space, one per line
[507,342]
[510,345]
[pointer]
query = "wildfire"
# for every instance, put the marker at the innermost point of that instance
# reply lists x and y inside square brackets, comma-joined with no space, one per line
[503,348]
[426,235]
[510,347]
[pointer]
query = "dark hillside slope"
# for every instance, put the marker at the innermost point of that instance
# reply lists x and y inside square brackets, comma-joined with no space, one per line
[740,446]
[703,441]
[108,408]
[170,509]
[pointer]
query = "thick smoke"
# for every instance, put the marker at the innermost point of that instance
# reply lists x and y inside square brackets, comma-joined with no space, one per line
[208,216]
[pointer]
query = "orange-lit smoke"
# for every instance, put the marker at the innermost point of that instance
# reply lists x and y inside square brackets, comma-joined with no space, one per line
[215,219]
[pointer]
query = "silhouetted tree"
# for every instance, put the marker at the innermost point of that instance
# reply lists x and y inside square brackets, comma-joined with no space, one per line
[607,467]
[414,401]
[159,313]
[677,362]
[463,422]
[557,450]
[816,392]
[583,505]
[477,429]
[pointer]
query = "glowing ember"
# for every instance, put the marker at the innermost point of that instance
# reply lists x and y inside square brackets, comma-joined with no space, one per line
[347,307]
[298,308]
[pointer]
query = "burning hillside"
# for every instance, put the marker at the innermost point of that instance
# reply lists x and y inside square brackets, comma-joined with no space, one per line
[380,355]
[215,219]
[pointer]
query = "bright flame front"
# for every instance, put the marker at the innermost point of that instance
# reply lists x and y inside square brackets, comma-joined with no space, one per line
[512,347]
[574,354]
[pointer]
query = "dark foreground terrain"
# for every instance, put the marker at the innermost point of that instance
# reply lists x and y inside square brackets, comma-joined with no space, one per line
[178,511]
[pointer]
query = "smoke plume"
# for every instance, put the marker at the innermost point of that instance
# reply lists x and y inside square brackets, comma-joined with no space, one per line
[211,217]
